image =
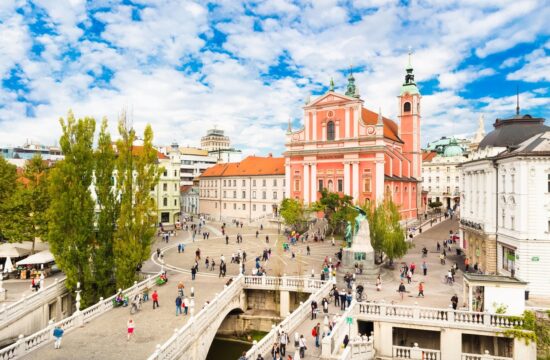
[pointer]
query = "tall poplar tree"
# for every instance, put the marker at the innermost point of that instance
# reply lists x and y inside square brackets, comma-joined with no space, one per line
[71,227]
[25,213]
[107,213]
[8,177]
[137,174]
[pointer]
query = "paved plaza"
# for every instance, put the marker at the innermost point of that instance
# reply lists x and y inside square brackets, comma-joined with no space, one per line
[105,337]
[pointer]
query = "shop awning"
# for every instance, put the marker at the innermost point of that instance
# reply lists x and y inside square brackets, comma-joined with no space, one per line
[42,257]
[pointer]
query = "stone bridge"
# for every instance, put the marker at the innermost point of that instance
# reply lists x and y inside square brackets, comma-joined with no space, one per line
[33,312]
[193,341]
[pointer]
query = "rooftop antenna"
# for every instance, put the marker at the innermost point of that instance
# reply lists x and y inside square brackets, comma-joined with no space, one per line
[517,100]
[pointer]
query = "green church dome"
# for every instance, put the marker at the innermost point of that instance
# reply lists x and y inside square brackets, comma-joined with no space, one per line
[453,149]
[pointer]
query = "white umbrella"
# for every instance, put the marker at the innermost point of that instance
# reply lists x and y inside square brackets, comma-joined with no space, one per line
[8,266]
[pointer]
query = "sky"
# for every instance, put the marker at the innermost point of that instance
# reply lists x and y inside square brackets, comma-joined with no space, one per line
[247,66]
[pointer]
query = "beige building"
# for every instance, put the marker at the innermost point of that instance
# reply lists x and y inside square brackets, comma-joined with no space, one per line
[167,191]
[247,190]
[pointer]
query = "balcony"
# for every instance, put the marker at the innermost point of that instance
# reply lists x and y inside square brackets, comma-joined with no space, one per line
[406,352]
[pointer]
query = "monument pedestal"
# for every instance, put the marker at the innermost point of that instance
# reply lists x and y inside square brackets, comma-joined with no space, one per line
[360,255]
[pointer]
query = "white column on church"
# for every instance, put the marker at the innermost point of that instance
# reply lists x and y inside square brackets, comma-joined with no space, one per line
[306,184]
[356,122]
[313,182]
[346,179]
[337,125]
[314,134]
[355,175]
[306,125]
[346,123]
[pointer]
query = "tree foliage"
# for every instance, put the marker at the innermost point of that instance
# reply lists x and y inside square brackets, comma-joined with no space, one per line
[137,174]
[71,229]
[107,213]
[293,212]
[386,233]
[8,177]
[25,211]
[337,209]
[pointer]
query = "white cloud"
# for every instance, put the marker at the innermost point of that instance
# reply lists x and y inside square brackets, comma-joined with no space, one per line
[14,43]
[537,68]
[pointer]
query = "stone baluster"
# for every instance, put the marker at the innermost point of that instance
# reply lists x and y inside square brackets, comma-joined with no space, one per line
[416,352]
[20,350]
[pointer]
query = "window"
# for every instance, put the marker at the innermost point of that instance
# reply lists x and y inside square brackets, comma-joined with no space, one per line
[215,205]
[330,186]
[320,186]
[234,194]
[366,184]
[264,182]
[165,202]
[448,189]
[234,206]
[456,179]
[244,182]
[448,179]
[512,222]
[274,195]
[340,185]
[407,107]
[224,205]
[175,202]
[297,185]
[396,189]
[437,179]
[263,208]
[513,181]
[165,173]
[508,258]
[503,183]
[253,194]
[224,194]
[429,179]
[274,182]
[503,218]
[244,194]
[234,182]
[165,187]
[330,130]
[254,182]
[264,195]
[548,182]
[448,169]
[284,182]
[254,207]
[175,187]
[175,173]
[244,206]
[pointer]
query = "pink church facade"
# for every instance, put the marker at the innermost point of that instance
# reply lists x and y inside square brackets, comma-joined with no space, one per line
[347,148]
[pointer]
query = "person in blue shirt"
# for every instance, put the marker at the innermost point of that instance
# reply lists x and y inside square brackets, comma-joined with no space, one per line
[57,334]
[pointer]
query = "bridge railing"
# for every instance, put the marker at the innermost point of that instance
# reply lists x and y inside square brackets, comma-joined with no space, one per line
[25,345]
[291,322]
[283,283]
[436,316]
[184,338]
[31,302]
[331,342]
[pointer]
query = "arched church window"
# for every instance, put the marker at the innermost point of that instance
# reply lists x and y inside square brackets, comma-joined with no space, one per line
[407,107]
[330,130]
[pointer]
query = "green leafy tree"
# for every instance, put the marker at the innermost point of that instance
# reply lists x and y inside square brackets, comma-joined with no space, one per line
[137,174]
[337,209]
[8,178]
[293,212]
[107,213]
[71,226]
[25,213]
[387,235]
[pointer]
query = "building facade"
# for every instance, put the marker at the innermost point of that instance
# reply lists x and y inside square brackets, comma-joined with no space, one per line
[167,191]
[441,176]
[505,213]
[189,199]
[192,161]
[28,150]
[347,148]
[248,190]
[219,147]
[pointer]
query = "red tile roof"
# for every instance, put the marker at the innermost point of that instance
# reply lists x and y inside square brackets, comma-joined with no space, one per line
[427,156]
[251,166]
[390,127]
[137,149]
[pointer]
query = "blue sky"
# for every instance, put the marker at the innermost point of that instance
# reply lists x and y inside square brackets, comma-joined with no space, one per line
[247,67]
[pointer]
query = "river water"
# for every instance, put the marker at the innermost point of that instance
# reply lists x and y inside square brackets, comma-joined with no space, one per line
[227,349]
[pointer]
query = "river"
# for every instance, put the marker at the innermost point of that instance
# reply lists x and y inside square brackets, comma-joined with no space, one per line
[227,349]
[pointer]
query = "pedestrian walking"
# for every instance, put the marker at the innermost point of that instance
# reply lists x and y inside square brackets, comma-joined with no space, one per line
[425,268]
[454,301]
[155,298]
[283,341]
[302,346]
[401,290]
[226,239]
[308,250]
[131,326]
[421,289]
[313,310]
[193,272]
[343,299]
[267,239]
[317,332]
[178,305]
[57,334]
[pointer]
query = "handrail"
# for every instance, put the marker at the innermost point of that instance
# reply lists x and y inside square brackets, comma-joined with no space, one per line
[419,314]
[14,311]
[290,323]
[25,345]
[336,336]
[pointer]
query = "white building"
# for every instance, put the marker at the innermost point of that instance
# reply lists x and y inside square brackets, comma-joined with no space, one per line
[219,146]
[441,177]
[248,190]
[189,199]
[505,218]
[193,161]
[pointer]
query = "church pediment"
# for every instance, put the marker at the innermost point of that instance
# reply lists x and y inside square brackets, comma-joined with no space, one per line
[331,98]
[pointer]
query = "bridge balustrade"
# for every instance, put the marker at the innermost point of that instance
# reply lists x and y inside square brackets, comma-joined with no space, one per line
[25,345]
[14,311]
